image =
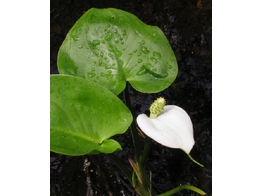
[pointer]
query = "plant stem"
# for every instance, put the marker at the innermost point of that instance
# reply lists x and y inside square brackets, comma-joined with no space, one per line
[122,166]
[145,151]
[193,159]
[142,187]
[179,188]
[134,132]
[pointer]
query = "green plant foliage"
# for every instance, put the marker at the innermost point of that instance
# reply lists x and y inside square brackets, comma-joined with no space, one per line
[111,46]
[84,115]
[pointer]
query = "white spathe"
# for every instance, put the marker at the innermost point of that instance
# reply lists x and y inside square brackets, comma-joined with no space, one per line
[172,128]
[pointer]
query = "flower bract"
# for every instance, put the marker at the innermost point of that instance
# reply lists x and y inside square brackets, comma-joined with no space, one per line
[172,128]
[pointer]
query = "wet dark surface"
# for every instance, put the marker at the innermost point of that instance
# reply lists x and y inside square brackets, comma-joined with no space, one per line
[188,27]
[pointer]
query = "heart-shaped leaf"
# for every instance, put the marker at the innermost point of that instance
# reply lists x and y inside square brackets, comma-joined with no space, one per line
[84,115]
[111,46]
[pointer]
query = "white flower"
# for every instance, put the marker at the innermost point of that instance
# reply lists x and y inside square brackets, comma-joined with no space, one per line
[172,128]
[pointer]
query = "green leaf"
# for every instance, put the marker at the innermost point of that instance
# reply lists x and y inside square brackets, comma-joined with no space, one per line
[111,46]
[84,115]
[182,187]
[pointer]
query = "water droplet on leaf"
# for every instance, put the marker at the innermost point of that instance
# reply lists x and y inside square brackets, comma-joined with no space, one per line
[155,70]
[91,74]
[111,56]
[153,59]
[107,28]
[157,55]
[141,43]
[76,38]
[107,66]
[124,32]
[147,65]
[139,34]
[108,76]
[141,72]
[115,50]
[95,42]
[96,53]
[145,50]
[108,37]
[101,53]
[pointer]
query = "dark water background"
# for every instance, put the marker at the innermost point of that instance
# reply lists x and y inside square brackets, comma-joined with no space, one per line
[188,27]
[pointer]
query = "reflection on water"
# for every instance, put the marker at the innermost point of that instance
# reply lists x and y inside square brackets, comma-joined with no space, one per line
[187,26]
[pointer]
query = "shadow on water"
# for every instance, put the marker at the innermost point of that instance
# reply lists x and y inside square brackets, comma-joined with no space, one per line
[187,25]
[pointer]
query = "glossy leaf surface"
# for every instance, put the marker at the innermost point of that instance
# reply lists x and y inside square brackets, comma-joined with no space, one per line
[111,46]
[84,116]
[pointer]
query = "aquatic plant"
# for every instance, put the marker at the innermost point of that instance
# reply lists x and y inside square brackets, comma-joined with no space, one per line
[103,50]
